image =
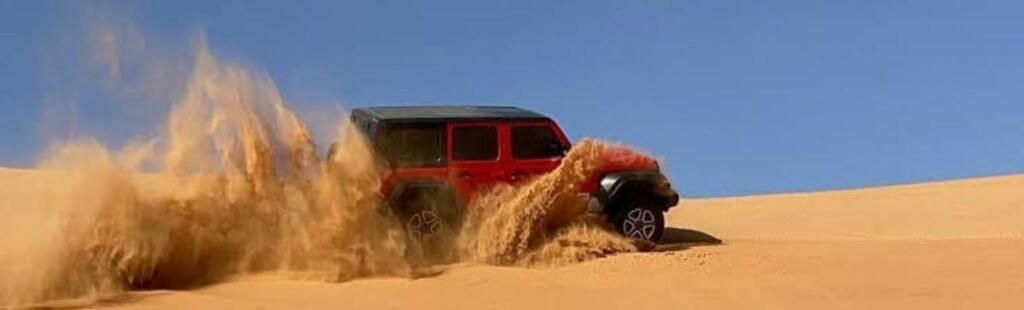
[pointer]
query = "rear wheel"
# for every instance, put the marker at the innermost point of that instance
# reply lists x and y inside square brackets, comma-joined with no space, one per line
[640,219]
[431,223]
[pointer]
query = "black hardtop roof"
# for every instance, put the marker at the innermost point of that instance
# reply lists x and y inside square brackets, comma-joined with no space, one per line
[446,113]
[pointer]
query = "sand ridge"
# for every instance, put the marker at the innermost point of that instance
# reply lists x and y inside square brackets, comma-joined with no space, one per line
[983,208]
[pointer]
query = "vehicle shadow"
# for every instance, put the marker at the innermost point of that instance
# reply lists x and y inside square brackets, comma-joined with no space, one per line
[676,239]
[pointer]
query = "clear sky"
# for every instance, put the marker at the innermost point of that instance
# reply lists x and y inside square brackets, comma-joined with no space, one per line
[737,97]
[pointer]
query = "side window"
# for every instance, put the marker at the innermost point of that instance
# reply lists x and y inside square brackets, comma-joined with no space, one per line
[475,143]
[535,142]
[413,145]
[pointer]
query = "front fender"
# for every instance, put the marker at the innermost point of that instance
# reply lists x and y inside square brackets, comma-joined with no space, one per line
[617,185]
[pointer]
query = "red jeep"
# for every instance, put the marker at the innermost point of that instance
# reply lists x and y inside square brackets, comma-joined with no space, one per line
[448,153]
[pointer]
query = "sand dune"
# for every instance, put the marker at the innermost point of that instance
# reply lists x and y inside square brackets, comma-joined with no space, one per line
[985,208]
[949,245]
[769,275]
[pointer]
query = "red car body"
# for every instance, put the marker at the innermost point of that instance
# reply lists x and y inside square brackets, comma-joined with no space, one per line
[464,149]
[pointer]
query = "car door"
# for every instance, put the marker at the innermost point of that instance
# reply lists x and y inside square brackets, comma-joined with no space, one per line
[535,148]
[475,157]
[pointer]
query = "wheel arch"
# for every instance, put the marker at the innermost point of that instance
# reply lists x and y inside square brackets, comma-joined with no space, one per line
[624,185]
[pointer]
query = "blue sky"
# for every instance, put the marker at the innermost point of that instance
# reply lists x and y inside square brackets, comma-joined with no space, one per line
[737,97]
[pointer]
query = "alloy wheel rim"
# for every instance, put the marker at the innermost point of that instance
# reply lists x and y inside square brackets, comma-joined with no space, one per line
[640,223]
[424,224]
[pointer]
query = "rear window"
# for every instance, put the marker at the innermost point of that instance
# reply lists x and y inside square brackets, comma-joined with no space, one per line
[535,142]
[475,143]
[413,145]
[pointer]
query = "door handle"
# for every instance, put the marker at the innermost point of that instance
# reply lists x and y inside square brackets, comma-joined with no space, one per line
[465,175]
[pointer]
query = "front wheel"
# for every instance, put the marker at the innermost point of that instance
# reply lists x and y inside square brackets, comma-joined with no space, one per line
[640,220]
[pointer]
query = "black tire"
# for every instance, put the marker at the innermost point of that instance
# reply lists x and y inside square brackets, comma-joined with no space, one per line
[639,219]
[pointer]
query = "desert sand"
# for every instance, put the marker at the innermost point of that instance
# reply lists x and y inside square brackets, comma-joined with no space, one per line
[946,245]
